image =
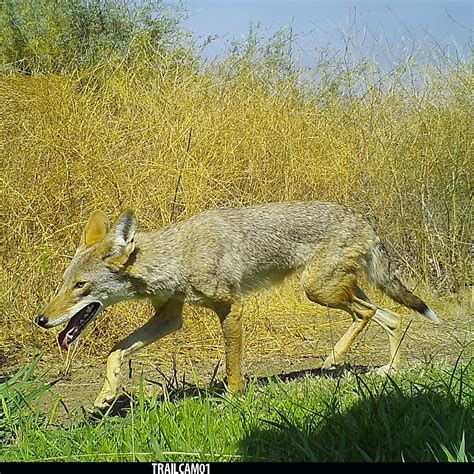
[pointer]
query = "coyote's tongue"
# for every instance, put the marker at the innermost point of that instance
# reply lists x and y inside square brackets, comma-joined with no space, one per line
[77,324]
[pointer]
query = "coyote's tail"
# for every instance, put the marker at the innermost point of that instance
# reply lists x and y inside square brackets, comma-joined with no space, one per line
[380,273]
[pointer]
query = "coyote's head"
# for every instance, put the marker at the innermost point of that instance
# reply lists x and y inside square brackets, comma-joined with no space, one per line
[95,278]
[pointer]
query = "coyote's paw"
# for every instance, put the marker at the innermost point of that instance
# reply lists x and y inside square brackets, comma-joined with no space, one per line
[330,363]
[105,400]
[236,387]
[385,370]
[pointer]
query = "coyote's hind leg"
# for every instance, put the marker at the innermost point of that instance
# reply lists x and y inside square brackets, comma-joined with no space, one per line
[361,312]
[336,288]
[391,323]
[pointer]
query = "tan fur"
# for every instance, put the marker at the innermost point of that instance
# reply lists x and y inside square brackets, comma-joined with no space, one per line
[59,305]
[96,229]
[215,259]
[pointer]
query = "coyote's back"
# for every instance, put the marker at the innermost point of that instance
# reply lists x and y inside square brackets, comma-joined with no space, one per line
[252,247]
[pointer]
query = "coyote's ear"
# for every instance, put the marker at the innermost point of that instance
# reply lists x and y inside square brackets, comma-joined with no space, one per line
[96,229]
[119,243]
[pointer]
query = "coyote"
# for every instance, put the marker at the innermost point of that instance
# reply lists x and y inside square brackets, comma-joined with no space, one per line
[214,260]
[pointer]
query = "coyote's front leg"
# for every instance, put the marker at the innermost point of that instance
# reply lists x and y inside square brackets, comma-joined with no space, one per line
[231,322]
[168,318]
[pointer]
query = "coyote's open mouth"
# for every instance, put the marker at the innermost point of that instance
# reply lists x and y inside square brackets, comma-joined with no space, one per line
[77,324]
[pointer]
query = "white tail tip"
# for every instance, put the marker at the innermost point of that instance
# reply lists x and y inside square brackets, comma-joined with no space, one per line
[432,315]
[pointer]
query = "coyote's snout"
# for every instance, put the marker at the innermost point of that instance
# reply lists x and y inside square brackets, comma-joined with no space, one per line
[214,260]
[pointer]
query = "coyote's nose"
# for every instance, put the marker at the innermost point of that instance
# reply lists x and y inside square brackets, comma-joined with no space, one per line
[42,320]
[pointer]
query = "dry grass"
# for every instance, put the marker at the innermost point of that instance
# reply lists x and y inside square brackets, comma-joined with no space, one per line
[170,143]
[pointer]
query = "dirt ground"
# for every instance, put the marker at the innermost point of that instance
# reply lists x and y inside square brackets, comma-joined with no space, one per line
[280,338]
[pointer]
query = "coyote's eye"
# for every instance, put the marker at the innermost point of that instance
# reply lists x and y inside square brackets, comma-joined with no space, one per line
[79,284]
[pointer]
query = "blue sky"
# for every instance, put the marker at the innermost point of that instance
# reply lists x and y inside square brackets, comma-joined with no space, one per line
[318,23]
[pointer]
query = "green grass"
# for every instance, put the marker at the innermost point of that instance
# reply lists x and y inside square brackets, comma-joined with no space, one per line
[422,415]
